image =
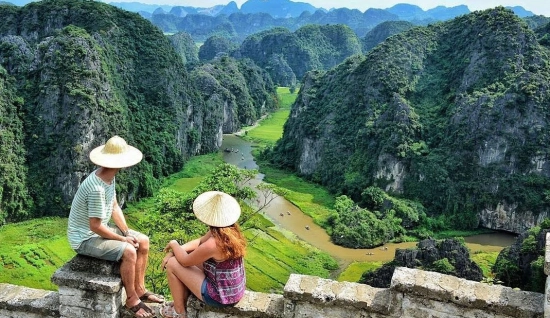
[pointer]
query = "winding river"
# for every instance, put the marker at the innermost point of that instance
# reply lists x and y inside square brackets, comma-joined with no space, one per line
[283,213]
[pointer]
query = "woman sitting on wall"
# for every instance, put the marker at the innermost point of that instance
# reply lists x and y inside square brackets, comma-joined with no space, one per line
[211,267]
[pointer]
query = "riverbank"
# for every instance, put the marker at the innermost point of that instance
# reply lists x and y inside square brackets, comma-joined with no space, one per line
[307,206]
[265,134]
[244,131]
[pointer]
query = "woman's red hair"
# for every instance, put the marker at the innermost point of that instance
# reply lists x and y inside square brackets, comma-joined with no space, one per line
[230,240]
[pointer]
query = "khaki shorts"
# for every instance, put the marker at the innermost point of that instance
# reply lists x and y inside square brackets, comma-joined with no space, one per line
[110,250]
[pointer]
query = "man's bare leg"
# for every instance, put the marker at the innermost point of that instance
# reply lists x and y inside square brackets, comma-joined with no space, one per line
[127,274]
[141,265]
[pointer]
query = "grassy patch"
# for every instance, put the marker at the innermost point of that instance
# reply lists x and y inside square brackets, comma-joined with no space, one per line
[196,167]
[269,130]
[273,256]
[286,97]
[312,199]
[32,251]
[356,269]
[485,260]
[459,233]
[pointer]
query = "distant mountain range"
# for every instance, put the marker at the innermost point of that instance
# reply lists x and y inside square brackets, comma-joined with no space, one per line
[254,16]
[286,9]
[291,9]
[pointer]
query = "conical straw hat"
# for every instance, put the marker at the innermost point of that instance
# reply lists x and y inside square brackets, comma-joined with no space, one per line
[216,209]
[116,153]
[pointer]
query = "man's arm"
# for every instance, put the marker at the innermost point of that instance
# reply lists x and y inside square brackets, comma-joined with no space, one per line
[103,231]
[119,219]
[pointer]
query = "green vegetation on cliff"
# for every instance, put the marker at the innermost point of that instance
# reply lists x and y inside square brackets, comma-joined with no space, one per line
[521,265]
[383,31]
[90,71]
[452,116]
[292,54]
[85,71]
[185,47]
[14,197]
[216,46]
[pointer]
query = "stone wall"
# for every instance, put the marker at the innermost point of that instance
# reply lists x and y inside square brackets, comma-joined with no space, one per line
[90,288]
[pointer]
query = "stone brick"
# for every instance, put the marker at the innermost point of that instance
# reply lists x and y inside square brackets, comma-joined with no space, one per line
[38,302]
[413,294]
[89,299]
[83,280]
[424,286]
[73,312]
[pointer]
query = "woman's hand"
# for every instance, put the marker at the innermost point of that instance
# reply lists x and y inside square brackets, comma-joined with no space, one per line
[165,260]
[171,246]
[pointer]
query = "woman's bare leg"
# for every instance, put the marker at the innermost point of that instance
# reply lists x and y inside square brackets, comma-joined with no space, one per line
[183,280]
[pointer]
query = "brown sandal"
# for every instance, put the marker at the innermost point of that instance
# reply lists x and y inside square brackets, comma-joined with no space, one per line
[146,297]
[139,306]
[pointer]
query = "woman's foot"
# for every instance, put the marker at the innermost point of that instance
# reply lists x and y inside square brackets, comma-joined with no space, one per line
[168,311]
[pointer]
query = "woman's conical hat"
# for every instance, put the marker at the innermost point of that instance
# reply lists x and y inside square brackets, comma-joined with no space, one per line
[216,209]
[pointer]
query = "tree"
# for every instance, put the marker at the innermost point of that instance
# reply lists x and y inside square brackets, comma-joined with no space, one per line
[172,216]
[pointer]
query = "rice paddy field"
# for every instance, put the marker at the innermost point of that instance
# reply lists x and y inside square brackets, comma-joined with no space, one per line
[31,251]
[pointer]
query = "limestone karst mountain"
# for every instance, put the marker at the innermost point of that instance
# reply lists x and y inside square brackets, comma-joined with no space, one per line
[289,55]
[79,72]
[454,115]
[383,31]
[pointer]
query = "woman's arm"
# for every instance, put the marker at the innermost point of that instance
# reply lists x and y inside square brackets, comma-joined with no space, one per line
[207,249]
[192,245]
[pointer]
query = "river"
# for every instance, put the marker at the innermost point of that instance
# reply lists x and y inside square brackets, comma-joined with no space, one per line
[287,216]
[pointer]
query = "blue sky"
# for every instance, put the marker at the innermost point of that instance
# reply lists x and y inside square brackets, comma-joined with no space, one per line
[536,6]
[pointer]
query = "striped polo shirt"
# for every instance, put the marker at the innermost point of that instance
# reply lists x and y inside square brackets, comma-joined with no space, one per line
[93,199]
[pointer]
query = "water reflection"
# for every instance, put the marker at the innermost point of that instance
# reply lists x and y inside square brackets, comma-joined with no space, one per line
[284,214]
[238,152]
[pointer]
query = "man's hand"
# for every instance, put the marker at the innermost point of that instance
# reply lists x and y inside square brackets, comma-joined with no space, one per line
[132,240]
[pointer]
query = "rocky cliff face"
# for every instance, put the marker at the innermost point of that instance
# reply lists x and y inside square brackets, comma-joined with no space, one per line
[14,197]
[87,71]
[452,115]
[446,256]
[508,217]
[521,265]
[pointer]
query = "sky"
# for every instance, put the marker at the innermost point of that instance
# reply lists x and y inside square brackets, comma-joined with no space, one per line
[541,7]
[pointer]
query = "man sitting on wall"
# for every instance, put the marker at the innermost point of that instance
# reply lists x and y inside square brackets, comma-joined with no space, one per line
[90,232]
